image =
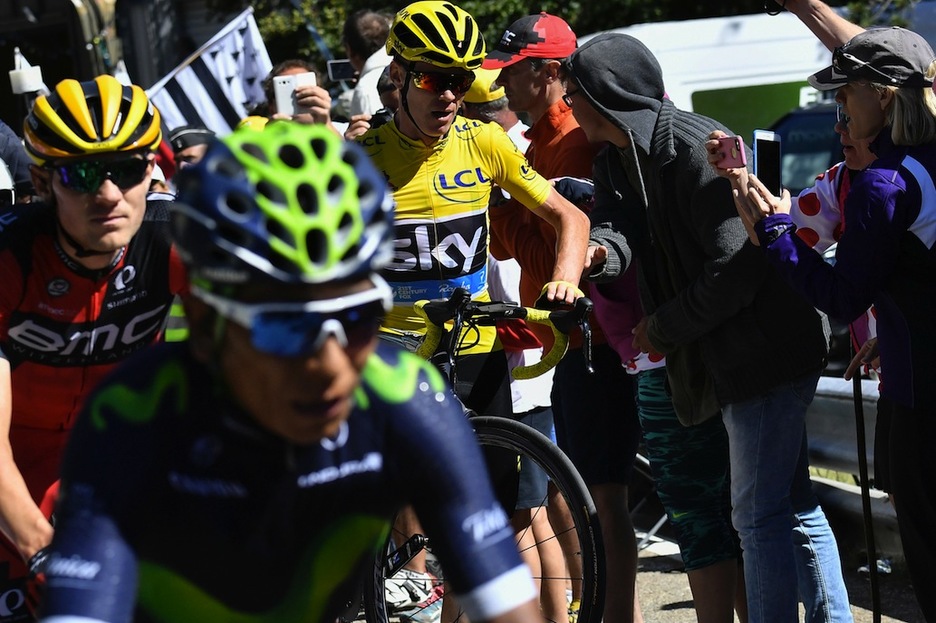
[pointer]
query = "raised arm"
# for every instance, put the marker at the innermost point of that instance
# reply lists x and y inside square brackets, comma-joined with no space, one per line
[829,27]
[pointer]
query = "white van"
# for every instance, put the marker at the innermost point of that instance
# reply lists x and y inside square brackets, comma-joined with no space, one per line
[746,71]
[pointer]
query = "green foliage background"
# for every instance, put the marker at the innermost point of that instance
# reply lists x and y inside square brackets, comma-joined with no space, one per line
[283,23]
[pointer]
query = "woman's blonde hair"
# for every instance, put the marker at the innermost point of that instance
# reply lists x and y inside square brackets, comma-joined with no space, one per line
[912,113]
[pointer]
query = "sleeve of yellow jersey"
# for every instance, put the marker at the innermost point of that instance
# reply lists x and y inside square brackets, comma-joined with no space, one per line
[513,173]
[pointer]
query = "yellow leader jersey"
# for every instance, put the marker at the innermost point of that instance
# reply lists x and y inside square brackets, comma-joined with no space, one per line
[441,230]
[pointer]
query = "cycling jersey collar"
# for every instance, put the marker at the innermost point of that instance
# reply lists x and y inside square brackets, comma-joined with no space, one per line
[79,268]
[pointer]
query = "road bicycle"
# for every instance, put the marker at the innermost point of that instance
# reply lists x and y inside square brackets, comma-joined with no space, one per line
[445,320]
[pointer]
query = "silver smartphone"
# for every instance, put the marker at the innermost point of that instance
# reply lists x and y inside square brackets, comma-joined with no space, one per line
[284,91]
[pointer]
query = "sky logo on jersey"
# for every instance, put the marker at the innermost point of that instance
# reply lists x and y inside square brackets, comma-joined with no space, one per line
[441,249]
[490,524]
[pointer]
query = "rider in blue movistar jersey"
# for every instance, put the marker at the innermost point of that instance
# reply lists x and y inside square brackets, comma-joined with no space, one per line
[251,473]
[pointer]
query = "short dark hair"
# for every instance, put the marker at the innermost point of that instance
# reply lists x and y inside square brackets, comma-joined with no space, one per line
[279,68]
[366,31]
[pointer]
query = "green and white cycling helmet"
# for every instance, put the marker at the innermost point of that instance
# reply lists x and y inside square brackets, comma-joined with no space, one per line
[291,203]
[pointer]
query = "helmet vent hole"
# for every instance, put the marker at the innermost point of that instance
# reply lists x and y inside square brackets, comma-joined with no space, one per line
[228,167]
[307,198]
[335,184]
[319,148]
[434,58]
[234,235]
[271,192]
[346,221]
[236,205]
[291,156]
[351,252]
[276,230]
[255,151]
[317,245]
[428,29]
[281,263]
[407,37]
[365,188]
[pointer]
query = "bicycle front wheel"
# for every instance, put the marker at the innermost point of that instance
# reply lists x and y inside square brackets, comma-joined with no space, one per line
[579,535]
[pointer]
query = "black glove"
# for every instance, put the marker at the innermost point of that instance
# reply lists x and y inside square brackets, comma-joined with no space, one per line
[577,190]
[35,580]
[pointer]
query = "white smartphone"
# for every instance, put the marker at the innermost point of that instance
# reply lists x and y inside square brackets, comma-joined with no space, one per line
[284,90]
[767,161]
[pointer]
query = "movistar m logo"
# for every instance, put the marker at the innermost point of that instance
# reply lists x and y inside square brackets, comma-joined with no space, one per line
[397,384]
[140,406]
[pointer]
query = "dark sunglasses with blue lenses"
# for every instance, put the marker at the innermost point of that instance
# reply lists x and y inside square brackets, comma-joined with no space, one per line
[86,176]
[438,82]
[300,329]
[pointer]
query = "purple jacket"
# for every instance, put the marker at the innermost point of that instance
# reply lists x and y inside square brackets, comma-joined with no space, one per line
[885,256]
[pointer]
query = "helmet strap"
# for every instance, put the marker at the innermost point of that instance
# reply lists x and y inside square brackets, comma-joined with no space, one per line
[80,251]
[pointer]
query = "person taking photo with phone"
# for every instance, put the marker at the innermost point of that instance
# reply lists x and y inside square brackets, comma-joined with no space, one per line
[883,79]
[738,341]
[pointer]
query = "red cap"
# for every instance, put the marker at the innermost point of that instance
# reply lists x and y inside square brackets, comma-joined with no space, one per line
[533,36]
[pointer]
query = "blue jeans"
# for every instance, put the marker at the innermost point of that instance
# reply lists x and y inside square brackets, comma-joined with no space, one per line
[789,549]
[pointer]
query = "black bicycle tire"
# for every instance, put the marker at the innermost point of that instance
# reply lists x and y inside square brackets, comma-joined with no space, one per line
[516,436]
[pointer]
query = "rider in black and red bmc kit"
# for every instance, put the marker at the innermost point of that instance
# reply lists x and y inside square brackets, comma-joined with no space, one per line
[87,278]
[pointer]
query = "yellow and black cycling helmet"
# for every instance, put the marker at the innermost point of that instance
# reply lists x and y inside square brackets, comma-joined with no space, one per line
[438,33]
[82,119]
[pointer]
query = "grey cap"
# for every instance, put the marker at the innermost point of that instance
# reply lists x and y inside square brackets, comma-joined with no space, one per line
[891,56]
[622,80]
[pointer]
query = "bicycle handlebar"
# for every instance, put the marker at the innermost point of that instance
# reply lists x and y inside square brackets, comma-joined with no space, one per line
[459,307]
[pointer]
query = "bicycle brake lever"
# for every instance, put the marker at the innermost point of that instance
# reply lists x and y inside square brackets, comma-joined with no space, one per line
[587,344]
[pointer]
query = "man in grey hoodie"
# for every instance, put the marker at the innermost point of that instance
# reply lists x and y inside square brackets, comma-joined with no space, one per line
[737,339]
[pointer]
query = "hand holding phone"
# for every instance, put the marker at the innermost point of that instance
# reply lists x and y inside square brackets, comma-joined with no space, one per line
[284,90]
[733,148]
[767,161]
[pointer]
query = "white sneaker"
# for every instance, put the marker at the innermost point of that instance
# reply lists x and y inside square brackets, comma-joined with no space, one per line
[407,589]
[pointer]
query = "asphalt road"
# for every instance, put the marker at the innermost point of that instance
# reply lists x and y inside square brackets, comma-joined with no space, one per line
[664,590]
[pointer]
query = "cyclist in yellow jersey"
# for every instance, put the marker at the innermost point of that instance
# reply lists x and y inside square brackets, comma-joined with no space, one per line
[441,167]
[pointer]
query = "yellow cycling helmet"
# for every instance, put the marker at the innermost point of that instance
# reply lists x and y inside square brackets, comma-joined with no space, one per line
[438,33]
[87,118]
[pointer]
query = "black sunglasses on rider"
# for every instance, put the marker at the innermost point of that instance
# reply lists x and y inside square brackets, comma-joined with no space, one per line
[86,176]
[441,82]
